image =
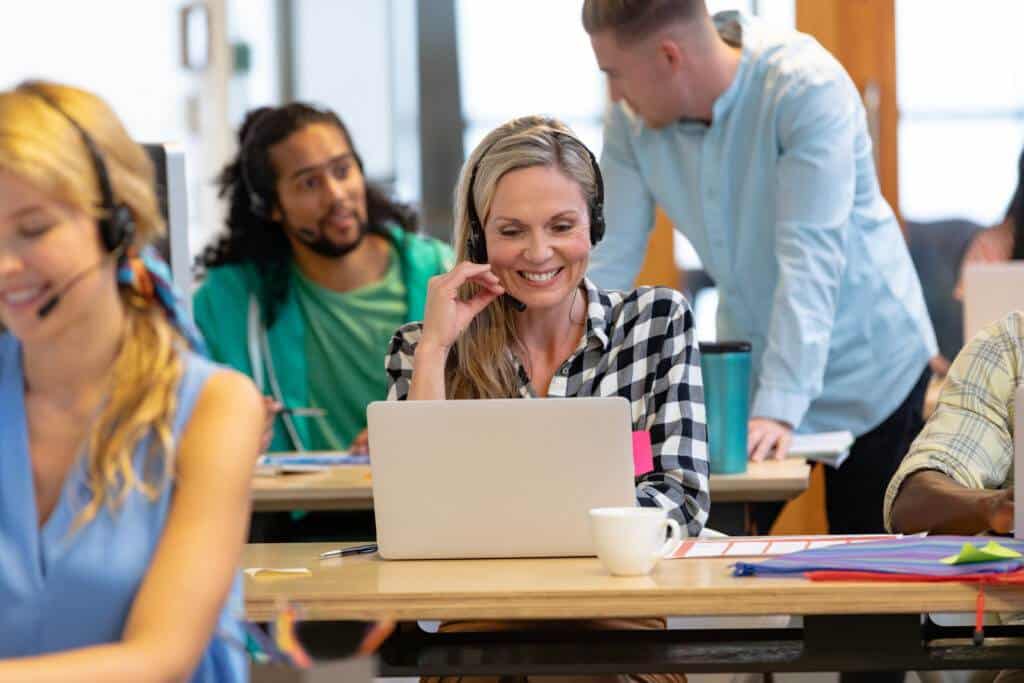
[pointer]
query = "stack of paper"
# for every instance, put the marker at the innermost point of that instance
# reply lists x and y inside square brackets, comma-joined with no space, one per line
[757,546]
[831,448]
[315,461]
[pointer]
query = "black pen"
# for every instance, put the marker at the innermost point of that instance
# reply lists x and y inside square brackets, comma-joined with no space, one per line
[354,550]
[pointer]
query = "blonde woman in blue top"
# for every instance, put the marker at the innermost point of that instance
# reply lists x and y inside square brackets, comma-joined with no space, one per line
[125,458]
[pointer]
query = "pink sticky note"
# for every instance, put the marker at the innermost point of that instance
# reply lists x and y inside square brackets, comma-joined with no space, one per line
[643,456]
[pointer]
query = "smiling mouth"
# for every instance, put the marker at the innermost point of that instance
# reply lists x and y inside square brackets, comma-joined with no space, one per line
[539,278]
[21,297]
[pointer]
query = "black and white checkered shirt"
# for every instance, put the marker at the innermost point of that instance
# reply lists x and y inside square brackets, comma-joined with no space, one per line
[640,345]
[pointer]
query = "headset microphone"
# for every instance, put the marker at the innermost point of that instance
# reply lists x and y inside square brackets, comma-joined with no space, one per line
[52,302]
[117,226]
[516,303]
[307,234]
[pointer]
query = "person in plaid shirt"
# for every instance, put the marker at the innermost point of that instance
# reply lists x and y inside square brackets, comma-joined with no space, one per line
[517,317]
[958,476]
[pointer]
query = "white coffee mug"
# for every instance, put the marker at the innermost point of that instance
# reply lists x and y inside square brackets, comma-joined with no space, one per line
[631,540]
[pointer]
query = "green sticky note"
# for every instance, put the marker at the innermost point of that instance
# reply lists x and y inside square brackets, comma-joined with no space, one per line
[990,552]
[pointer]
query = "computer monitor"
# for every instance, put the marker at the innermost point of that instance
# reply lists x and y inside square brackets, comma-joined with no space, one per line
[991,291]
[169,161]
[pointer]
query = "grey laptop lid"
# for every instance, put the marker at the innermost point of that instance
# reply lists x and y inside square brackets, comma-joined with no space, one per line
[1018,464]
[991,292]
[496,478]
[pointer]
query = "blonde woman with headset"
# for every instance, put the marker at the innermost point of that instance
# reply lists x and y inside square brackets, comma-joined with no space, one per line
[516,317]
[125,457]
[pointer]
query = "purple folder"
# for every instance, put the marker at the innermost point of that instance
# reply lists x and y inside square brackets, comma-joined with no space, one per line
[908,555]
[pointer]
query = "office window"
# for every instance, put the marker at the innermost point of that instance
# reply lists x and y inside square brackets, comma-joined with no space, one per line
[961,97]
[527,57]
[348,69]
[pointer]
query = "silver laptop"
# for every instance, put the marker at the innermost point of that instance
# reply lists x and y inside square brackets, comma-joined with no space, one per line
[496,478]
[991,291]
[1018,465]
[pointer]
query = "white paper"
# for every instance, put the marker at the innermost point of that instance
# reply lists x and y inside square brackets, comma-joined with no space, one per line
[746,548]
[823,544]
[267,572]
[831,448]
[706,549]
[783,547]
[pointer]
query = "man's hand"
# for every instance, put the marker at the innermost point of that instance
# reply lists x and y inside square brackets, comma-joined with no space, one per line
[361,444]
[270,410]
[998,509]
[765,435]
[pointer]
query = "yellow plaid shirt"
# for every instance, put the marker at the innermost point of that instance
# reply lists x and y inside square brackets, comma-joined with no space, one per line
[970,436]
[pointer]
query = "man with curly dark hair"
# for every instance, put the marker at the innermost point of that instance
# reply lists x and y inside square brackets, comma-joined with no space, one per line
[315,271]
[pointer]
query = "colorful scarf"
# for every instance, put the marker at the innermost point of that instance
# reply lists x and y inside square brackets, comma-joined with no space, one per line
[148,275]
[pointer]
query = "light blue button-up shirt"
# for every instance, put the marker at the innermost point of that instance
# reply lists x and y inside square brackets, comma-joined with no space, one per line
[780,199]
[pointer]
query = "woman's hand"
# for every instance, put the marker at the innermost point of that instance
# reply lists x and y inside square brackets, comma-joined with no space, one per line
[446,316]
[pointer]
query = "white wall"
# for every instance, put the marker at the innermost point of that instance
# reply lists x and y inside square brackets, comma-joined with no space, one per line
[128,52]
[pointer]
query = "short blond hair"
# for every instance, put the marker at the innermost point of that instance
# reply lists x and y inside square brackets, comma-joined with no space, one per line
[633,20]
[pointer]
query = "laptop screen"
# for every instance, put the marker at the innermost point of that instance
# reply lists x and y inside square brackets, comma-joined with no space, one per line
[1018,463]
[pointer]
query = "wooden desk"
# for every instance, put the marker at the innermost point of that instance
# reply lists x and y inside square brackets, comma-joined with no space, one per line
[769,480]
[846,625]
[338,488]
[350,487]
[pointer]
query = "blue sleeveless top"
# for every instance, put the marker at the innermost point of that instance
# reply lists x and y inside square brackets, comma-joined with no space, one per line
[60,591]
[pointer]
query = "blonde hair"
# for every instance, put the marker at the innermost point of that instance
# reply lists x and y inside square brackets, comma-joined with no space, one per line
[481,364]
[39,145]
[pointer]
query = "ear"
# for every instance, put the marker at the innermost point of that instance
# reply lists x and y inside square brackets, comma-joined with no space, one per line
[276,214]
[669,53]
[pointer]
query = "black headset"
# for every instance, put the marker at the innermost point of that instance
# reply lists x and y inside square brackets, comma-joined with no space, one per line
[117,227]
[477,247]
[258,204]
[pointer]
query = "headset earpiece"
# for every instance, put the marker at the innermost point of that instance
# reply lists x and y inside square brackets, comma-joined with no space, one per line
[477,247]
[117,227]
[596,206]
[256,203]
[596,223]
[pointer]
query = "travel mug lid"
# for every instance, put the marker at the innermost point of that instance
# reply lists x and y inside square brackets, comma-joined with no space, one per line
[725,347]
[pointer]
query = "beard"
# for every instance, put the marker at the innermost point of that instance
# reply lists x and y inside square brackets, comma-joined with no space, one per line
[317,241]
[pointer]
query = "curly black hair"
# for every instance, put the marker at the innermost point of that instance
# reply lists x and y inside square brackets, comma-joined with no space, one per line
[1016,211]
[252,236]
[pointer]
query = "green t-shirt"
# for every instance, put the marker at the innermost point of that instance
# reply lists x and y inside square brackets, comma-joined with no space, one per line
[347,337]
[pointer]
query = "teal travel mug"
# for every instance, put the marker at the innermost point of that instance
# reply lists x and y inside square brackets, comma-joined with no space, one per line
[725,366]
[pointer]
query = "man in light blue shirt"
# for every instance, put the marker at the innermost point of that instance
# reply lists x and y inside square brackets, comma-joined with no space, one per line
[754,142]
